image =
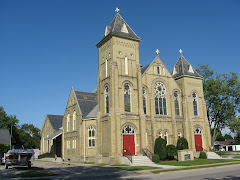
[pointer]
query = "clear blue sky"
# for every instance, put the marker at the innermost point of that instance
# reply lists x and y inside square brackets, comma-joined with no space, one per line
[46,47]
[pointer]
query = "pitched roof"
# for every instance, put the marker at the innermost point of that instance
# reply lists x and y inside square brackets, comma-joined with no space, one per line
[87,101]
[55,120]
[144,68]
[119,27]
[183,67]
[4,136]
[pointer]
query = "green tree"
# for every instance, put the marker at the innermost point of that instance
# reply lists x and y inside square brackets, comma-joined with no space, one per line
[222,95]
[182,143]
[171,151]
[160,148]
[228,136]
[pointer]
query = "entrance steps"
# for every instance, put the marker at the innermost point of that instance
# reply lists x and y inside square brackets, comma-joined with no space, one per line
[142,161]
[213,155]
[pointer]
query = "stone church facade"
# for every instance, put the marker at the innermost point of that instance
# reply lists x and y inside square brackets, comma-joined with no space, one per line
[133,105]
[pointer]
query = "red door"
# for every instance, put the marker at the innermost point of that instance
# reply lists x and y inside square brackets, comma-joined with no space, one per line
[128,144]
[198,142]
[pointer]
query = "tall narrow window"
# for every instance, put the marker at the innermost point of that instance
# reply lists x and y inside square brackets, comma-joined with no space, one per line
[127,98]
[153,69]
[160,134]
[126,65]
[91,136]
[144,101]
[179,134]
[176,103]
[68,122]
[106,99]
[166,137]
[74,119]
[160,98]
[195,106]
[158,70]
[106,68]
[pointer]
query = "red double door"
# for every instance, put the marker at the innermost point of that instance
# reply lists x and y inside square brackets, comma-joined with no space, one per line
[198,142]
[128,144]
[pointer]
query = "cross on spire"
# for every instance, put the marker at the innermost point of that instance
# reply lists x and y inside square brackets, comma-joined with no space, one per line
[157,51]
[117,10]
[180,51]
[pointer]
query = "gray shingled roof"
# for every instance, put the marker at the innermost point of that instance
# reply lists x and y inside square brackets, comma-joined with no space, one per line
[116,29]
[55,134]
[144,68]
[56,121]
[182,68]
[87,101]
[93,112]
[4,136]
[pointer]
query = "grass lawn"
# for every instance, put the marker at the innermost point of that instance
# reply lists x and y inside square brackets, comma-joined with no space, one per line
[197,167]
[236,157]
[195,162]
[35,174]
[136,168]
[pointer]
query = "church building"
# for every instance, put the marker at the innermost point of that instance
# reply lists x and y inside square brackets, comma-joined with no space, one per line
[133,105]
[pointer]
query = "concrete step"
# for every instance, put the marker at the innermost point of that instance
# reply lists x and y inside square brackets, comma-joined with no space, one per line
[213,155]
[142,161]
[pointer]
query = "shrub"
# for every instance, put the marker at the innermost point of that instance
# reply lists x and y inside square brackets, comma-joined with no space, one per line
[171,151]
[160,148]
[155,158]
[182,144]
[4,147]
[203,155]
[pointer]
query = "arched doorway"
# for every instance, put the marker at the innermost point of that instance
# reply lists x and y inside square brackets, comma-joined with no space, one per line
[198,139]
[128,140]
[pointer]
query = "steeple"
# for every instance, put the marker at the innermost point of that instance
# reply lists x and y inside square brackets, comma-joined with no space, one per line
[119,27]
[184,68]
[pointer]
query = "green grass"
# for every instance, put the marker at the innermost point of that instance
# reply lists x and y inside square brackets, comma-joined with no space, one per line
[136,168]
[189,168]
[236,157]
[35,174]
[119,165]
[195,162]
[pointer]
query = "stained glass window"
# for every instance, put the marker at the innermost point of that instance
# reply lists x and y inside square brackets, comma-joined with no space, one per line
[195,106]
[160,98]
[127,98]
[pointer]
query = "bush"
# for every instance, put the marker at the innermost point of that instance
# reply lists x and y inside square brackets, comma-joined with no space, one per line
[203,155]
[4,147]
[182,144]
[155,158]
[171,151]
[160,148]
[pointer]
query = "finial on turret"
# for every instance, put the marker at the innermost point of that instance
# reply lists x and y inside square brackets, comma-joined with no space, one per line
[117,10]
[180,52]
[157,51]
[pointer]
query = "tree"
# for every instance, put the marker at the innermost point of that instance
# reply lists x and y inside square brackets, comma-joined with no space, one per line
[228,136]
[222,95]
[160,148]
[182,143]
[171,151]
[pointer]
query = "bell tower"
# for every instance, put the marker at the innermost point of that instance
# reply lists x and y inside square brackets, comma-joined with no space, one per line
[118,66]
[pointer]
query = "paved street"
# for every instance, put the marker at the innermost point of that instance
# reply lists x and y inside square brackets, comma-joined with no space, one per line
[76,171]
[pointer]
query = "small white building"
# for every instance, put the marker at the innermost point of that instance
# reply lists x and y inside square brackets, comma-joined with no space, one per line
[227,145]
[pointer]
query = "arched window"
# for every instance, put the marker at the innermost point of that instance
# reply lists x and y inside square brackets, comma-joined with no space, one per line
[160,134]
[74,119]
[68,122]
[160,98]
[179,134]
[106,99]
[198,131]
[91,136]
[144,101]
[128,130]
[127,98]
[195,106]
[176,103]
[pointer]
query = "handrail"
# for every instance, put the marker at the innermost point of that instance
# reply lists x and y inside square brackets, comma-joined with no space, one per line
[148,153]
[127,154]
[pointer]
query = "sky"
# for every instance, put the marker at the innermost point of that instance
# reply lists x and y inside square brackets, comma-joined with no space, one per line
[48,47]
